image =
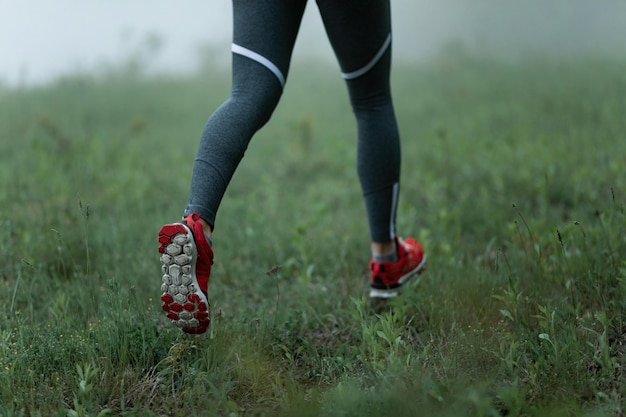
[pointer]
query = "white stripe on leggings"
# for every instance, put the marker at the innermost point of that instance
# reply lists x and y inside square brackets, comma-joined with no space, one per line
[394,207]
[355,74]
[261,60]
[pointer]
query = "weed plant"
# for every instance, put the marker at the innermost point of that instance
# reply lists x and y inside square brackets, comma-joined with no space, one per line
[514,177]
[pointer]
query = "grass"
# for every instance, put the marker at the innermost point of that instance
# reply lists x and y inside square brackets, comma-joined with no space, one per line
[514,176]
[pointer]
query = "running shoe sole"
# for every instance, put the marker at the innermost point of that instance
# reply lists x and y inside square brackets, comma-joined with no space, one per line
[393,292]
[183,301]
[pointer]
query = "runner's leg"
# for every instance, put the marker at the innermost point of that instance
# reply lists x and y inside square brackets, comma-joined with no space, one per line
[264,33]
[360,34]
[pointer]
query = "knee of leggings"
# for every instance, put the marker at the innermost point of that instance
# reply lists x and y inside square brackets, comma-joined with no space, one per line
[258,105]
[370,103]
[371,91]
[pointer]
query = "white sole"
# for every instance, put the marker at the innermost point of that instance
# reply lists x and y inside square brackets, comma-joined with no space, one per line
[178,265]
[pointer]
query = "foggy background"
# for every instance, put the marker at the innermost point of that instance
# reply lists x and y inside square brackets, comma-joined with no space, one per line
[41,40]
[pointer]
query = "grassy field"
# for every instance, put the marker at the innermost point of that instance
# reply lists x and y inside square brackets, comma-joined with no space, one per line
[514,178]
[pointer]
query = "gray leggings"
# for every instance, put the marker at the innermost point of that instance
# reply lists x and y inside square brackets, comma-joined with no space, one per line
[264,35]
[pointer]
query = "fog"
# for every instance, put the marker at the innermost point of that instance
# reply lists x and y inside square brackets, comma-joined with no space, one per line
[41,40]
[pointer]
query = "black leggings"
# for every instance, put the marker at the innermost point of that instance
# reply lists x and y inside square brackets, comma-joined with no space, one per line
[264,35]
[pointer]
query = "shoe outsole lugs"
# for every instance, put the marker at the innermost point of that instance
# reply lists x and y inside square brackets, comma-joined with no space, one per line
[183,301]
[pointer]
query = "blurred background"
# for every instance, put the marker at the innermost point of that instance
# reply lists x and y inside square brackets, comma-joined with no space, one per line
[41,40]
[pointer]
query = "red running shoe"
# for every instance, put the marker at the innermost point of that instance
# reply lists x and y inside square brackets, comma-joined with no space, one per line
[387,277]
[186,259]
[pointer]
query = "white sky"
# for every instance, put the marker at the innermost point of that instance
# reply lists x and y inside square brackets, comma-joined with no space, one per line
[42,39]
